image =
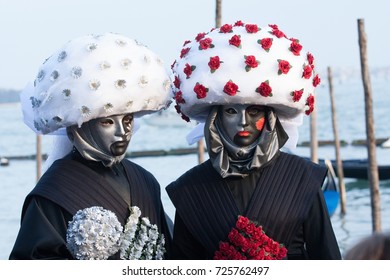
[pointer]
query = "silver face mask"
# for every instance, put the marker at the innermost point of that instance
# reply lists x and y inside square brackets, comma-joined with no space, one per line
[112,134]
[239,156]
[103,139]
[242,123]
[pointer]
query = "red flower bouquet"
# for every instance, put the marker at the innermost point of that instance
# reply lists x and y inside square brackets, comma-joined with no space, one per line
[247,241]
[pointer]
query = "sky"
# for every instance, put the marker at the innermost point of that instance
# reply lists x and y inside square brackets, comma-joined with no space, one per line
[31,30]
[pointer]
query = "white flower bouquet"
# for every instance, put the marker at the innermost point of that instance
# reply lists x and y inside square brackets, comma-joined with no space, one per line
[96,234]
[141,240]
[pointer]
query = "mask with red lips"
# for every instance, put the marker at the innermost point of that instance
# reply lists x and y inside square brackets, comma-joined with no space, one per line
[242,123]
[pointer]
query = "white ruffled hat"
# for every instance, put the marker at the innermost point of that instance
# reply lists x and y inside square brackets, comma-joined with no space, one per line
[95,76]
[244,63]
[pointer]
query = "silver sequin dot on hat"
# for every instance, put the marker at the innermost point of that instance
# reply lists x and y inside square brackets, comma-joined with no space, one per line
[54,75]
[41,75]
[143,81]
[85,111]
[57,119]
[66,93]
[120,84]
[105,65]
[121,43]
[147,59]
[126,63]
[61,56]
[94,84]
[129,104]
[91,47]
[108,107]
[76,72]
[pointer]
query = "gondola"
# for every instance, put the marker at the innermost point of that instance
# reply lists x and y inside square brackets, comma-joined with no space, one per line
[358,169]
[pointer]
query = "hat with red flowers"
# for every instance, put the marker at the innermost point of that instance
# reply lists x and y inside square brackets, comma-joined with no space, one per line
[244,63]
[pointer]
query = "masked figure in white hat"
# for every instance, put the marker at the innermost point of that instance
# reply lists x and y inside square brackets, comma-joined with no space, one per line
[250,86]
[88,202]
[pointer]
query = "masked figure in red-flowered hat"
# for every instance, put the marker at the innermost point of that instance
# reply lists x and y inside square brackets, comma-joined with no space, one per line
[249,88]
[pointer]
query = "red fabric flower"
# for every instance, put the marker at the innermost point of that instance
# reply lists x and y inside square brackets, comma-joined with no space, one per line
[251,62]
[276,32]
[176,82]
[252,28]
[265,43]
[184,117]
[200,90]
[248,241]
[307,71]
[188,69]
[186,42]
[239,23]
[310,104]
[242,223]
[316,80]
[226,28]
[214,63]
[297,94]
[284,66]
[205,43]
[200,36]
[184,52]
[310,59]
[178,110]
[273,26]
[264,89]
[230,88]
[179,98]
[235,41]
[295,47]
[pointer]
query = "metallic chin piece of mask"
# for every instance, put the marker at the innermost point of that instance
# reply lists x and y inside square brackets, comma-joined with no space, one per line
[242,123]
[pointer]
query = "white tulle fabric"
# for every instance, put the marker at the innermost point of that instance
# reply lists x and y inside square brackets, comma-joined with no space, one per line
[95,76]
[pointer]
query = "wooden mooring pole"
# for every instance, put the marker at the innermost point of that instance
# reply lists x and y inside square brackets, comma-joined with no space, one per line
[218,13]
[340,172]
[218,18]
[373,175]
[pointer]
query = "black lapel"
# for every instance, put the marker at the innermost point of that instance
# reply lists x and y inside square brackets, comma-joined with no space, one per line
[145,191]
[284,195]
[205,204]
[74,186]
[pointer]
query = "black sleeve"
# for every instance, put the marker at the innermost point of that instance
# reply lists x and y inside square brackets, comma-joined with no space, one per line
[42,233]
[185,246]
[321,242]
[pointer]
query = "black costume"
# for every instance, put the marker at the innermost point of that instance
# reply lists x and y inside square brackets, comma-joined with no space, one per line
[283,196]
[73,183]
